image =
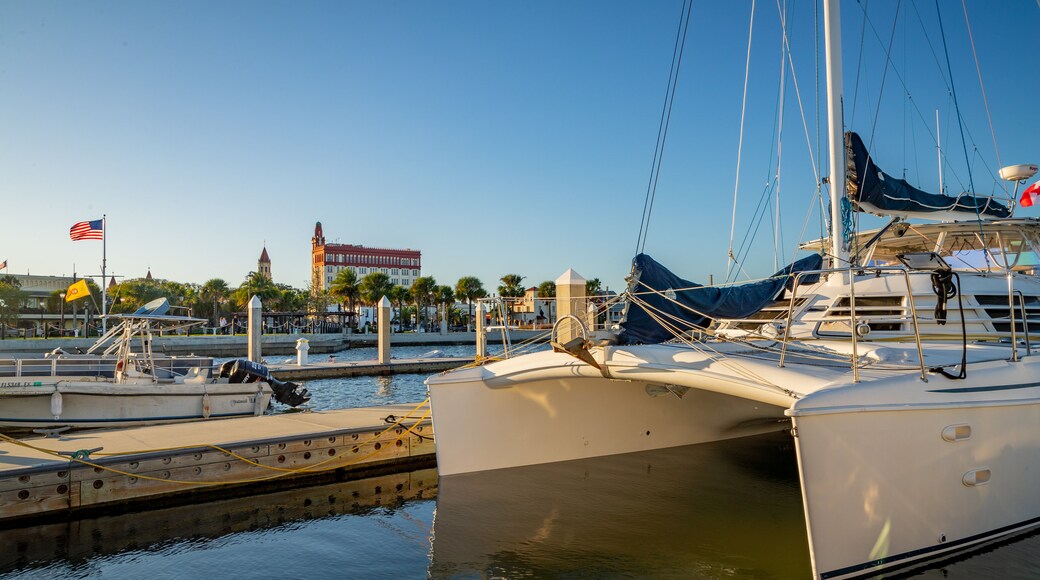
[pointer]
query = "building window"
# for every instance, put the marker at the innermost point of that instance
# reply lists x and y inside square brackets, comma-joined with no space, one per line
[415,272]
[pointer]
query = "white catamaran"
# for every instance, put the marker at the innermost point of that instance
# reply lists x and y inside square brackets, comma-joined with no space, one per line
[904,372]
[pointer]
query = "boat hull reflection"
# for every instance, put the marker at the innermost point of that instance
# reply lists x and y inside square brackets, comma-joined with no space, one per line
[731,508]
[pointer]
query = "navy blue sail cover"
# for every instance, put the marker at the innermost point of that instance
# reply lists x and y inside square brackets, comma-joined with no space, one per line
[869,185]
[695,305]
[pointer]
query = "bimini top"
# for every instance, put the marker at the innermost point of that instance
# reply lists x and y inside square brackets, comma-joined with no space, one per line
[876,192]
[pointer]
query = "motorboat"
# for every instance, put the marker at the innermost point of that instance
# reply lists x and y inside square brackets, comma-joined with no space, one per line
[121,382]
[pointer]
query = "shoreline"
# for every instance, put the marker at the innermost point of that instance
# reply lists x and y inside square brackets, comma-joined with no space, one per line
[276,344]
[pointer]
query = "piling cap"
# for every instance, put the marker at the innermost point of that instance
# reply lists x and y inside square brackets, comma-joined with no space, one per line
[254,302]
[569,277]
[384,302]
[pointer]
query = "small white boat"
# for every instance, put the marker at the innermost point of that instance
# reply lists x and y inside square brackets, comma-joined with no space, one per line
[120,382]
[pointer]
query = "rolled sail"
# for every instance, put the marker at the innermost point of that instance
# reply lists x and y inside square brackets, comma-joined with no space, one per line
[874,191]
[661,295]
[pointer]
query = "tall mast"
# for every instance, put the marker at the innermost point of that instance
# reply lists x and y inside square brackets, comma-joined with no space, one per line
[938,148]
[835,129]
[104,285]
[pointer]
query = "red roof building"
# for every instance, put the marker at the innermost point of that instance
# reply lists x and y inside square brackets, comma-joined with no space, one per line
[401,266]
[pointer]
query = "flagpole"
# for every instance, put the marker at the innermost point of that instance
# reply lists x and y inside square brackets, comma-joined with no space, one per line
[104,285]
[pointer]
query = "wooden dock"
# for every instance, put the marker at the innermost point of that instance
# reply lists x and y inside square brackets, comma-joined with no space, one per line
[147,467]
[329,369]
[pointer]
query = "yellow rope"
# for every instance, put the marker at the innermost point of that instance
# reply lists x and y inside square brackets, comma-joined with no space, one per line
[281,471]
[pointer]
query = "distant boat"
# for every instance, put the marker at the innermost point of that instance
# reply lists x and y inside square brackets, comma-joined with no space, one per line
[121,382]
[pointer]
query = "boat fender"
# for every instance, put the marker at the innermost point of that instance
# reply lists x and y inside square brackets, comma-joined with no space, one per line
[56,404]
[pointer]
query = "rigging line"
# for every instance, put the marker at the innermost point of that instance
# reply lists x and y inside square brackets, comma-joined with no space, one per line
[740,141]
[660,127]
[756,226]
[664,134]
[859,63]
[982,86]
[884,74]
[816,120]
[780,137]
[960,125]
[798,95]
[920,114]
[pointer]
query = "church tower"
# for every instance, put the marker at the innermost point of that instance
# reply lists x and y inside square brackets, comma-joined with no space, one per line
[263,265]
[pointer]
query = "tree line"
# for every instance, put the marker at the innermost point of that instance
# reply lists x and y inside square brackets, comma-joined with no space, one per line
[216,298]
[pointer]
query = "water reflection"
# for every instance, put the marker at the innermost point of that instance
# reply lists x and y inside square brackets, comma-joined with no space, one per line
[731,509]
[723,510]
[187,533]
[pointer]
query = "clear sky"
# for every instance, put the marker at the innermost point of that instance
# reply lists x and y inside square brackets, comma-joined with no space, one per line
[495,137]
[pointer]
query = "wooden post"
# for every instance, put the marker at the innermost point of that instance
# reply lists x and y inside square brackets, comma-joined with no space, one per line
[384,330]
[570,299]
[481,333]
[255,330]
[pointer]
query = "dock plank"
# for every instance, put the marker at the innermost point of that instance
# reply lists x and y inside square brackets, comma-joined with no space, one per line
[142,463]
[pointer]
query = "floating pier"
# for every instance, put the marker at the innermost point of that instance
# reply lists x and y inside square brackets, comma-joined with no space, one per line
[326,370]
[122,470]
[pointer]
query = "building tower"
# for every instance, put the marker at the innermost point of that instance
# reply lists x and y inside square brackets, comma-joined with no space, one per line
[402,267]
[263,265]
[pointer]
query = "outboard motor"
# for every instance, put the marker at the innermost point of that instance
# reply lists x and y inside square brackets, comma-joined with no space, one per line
[247,371]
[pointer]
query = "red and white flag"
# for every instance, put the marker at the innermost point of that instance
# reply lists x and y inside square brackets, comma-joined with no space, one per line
[1030,195]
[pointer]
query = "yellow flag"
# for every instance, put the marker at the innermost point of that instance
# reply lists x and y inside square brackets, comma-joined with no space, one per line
[77,291]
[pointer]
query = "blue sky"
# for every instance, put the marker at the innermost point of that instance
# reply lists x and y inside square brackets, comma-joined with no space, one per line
[495,137]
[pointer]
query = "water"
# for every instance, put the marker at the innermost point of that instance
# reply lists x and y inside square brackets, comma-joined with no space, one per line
[370,391]
[724,510]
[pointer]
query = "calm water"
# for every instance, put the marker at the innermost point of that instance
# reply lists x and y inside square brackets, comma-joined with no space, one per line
[725,510]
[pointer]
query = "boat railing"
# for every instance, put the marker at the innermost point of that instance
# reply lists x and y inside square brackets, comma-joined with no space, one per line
[850,274]
[859,318]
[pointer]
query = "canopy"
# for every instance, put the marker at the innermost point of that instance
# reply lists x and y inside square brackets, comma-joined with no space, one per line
[687,304]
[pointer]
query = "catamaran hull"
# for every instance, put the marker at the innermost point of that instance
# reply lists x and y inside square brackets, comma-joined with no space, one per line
[889,484]
[562,411]
[88,404]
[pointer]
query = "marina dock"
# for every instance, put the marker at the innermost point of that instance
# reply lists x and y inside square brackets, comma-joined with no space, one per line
[328,369]
[88,472]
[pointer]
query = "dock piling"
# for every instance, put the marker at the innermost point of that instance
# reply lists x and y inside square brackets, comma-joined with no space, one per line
[254,328]
[384,330]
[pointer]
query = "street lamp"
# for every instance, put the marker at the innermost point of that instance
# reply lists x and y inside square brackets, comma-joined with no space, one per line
[62,297]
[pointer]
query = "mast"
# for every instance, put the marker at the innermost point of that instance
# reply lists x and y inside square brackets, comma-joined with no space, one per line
[835,129]
[104,284]
[938,148]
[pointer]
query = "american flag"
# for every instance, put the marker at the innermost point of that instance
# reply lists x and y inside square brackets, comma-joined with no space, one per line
[91,230]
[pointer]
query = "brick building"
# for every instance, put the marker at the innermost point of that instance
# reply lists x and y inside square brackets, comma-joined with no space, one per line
[401,266]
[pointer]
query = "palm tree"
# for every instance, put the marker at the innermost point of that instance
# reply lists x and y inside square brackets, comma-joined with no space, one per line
[398,295]
[445,295]
[373,287]
[217,292]
[255,284]
[547,289]
[593,288]
[511,288]
[469,288]
[422,292]
[345,287]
